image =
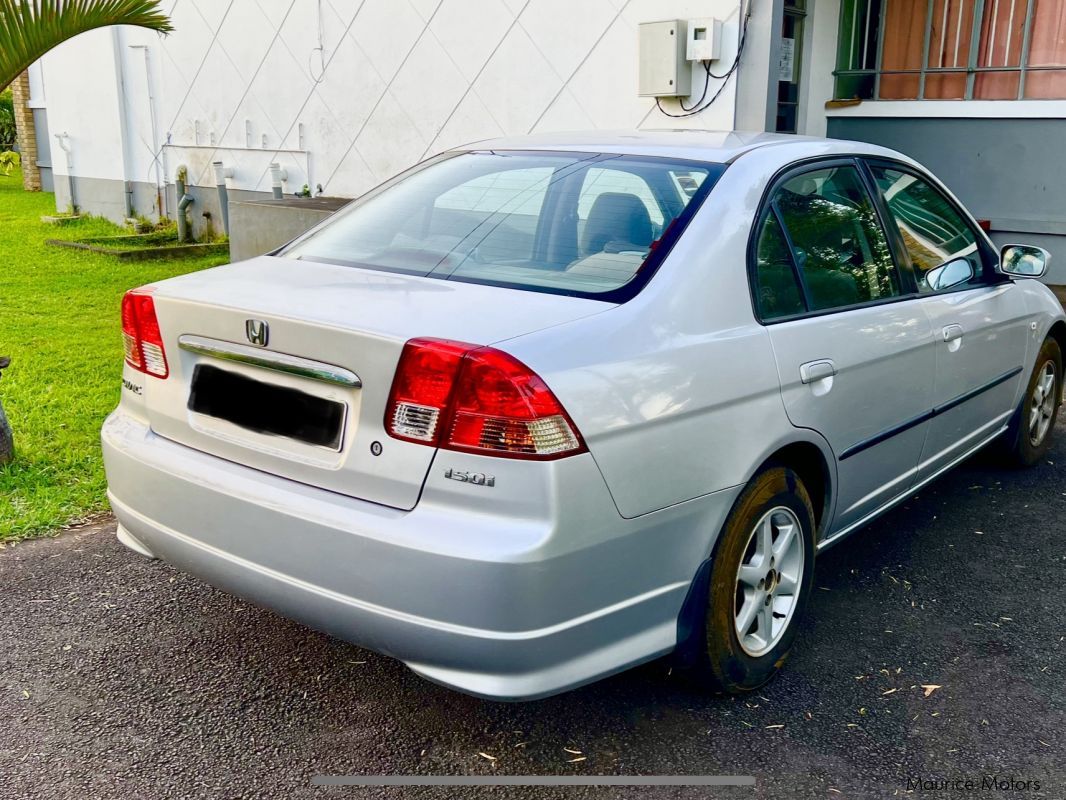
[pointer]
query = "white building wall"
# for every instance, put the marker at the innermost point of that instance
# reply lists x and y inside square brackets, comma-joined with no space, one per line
[346,93]
[88,116]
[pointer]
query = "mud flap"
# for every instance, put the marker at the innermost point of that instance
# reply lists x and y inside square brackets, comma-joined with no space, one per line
[691,620]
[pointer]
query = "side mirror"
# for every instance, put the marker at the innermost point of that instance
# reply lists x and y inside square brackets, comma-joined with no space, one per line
[947,275]
[1024,260]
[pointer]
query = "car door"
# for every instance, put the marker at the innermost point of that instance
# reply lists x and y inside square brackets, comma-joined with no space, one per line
[980,321]
[854,351]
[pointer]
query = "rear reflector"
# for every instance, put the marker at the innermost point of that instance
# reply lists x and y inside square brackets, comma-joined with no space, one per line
[141,337]
[463,397]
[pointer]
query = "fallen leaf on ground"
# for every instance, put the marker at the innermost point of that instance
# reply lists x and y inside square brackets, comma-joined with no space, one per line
[486,755]
[930,688]
[575,760]
[890,691]
[773,727]
[575,752]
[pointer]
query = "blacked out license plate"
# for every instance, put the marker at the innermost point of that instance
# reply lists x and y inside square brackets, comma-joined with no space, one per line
[266,407]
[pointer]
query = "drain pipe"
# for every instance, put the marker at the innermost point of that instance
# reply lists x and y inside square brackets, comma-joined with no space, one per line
[159,160]
[277,176]
[64,145]
[221,173]
[184,201]
[123,119]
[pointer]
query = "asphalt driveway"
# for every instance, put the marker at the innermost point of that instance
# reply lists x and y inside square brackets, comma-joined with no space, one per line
[124,678]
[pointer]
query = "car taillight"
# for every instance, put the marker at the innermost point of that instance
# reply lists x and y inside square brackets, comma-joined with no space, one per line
[141,337]
[464,397]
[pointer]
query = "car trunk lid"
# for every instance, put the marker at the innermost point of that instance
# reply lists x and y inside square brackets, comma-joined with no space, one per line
[286,365]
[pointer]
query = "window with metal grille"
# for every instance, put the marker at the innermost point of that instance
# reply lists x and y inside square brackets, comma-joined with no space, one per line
[952,50]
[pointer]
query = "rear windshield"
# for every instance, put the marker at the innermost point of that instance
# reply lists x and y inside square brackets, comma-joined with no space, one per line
[571,223]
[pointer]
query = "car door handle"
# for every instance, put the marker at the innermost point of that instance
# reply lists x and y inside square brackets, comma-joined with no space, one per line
[952,333]
[814,371]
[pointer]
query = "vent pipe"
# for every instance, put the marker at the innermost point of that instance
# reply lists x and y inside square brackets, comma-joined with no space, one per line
[277,177]
[221,173]
[184,201]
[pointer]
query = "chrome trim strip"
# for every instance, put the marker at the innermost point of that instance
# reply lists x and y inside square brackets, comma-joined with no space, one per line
[268,359]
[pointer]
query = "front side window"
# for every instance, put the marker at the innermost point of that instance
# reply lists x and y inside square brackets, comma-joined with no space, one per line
[576,223]
[837,241]
[933,231]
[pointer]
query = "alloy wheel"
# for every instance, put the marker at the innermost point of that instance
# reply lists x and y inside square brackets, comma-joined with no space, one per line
[1042,403]
[768,581]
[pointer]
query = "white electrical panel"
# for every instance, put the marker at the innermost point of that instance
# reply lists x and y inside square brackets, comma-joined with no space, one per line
[664,70]
[704,41]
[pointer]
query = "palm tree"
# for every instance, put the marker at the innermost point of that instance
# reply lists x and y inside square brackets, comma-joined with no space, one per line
[30,28]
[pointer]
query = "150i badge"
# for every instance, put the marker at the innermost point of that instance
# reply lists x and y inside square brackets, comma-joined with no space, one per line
[476,478]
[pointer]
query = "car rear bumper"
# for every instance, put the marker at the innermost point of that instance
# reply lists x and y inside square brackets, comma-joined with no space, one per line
[508,608]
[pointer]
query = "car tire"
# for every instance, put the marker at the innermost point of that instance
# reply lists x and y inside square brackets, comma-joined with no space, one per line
[737,655]
[1032,428]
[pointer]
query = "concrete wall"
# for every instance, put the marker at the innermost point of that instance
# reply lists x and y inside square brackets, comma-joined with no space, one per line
[819,61]
[347,100]
[259,226]
[1008,171]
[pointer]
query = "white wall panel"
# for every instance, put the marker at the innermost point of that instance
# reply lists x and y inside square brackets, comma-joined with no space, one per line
[83,102]
[392,81]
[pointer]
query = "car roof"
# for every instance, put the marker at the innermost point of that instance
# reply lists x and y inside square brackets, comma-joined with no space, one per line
[700,145]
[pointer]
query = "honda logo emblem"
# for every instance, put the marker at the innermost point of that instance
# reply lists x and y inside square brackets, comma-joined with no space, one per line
[257,331]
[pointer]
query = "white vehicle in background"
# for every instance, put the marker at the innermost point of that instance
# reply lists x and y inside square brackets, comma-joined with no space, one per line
[543,408]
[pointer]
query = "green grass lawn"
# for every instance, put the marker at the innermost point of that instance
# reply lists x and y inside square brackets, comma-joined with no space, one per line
[59,322]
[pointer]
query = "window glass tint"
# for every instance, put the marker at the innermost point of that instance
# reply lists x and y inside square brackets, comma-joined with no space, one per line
[776,291]
[520,191]
[837,240]
[513,196]
[599,181]
[550,221]
[933,231]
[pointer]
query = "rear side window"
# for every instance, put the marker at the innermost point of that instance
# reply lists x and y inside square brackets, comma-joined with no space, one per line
[573,223]
[933,231]
[777,292]
[838,244]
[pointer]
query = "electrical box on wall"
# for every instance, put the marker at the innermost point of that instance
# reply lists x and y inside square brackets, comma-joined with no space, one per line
[664,70]
[704,39]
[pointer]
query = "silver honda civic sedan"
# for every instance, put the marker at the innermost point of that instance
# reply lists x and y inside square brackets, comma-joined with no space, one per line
[543,408]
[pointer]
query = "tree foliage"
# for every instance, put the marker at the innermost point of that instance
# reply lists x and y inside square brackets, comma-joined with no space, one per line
[30,28]
[7,120]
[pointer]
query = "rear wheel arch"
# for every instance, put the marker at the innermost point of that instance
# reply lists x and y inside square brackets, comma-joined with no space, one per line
[809,462]
[1058,333]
